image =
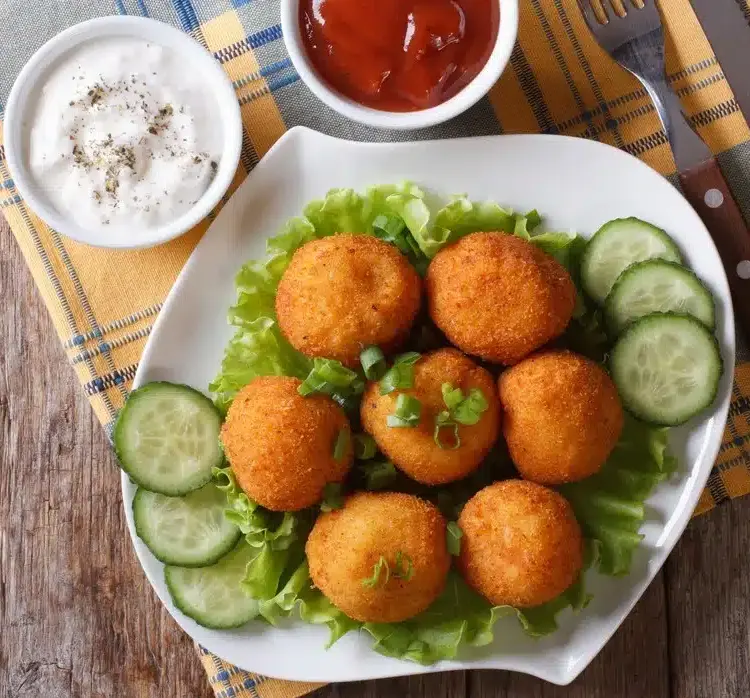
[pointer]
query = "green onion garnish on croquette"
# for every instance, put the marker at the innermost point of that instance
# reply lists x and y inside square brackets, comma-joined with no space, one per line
[408,411]
[330,377]
[373,363]
[403,568]
[443,421]
[401,375]
[341,446]
[454,538]
[466,410]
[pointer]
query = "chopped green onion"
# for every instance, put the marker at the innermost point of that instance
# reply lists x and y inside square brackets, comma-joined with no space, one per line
[409,358]
[444,421]
[330,377]
[454,538]
[401,375]
[404,568]
[373,363]
[464,410]
[395,379]
[470,411]
[408,411]
[379,569]
[342,443]
[461,410]
[333,497]
[364,446]
[378,474]
[452,397]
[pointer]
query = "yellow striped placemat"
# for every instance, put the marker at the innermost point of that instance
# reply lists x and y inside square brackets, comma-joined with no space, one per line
[104,303]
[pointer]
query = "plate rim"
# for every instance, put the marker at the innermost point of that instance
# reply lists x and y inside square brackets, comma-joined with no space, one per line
[562,674]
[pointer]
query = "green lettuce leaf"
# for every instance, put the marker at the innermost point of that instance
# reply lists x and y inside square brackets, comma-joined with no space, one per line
[610,505]
[458,616]
[284,602]
[566,248]
[317,609]
[273,535]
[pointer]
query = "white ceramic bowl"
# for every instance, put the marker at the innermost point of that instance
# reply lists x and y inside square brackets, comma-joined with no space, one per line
[467,97]
[200,66]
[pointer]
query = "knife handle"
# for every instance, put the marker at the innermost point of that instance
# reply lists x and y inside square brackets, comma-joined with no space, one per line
[707,191]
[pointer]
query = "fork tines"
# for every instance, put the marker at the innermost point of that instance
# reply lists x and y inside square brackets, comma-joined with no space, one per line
[602,11]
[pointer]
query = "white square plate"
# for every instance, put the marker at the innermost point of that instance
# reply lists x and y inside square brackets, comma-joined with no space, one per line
[576,185]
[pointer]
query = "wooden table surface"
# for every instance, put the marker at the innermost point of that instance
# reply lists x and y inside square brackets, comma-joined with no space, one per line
[78,618]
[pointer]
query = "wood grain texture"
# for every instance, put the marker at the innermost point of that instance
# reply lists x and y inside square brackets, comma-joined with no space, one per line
[79,619]
[634,664]
[77,615]
[708,576]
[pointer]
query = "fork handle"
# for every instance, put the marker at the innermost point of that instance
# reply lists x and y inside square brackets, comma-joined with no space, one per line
[708,192]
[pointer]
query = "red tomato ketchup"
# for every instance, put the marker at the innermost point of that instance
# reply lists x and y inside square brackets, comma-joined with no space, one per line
[399,55]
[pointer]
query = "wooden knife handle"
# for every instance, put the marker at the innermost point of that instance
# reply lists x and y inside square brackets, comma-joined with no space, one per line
[708,192]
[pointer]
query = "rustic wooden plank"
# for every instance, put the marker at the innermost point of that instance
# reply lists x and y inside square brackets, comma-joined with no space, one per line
[78,616]
[633,664]
[708,577]
[445,685]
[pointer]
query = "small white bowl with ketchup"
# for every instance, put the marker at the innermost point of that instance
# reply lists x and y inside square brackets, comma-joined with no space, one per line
[399,64]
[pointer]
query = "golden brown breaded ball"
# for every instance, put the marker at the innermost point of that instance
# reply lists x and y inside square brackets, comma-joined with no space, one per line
[498,297]
[280,444]
[345,292]
[346,545]
[562,416]
[521,544]
[413,449]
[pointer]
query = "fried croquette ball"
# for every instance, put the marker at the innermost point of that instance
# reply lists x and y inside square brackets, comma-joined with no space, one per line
[280,445]
[498,297]
[345,292]
[380,558]
[413,450]
[521,544]
[562,416]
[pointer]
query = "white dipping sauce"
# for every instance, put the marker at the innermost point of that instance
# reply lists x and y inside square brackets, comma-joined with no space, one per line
[123,134]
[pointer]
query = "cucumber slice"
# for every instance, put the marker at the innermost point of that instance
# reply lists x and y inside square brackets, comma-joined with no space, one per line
[189,531]
[213,596]
[617,245]
[666,368]
[167,438]
[656,286]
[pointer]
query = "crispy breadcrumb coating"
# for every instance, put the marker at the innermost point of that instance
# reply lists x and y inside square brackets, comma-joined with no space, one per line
[345,292]
[345,546]
[562,416]
[498,297]
[521,544]
[280,444]
[413,450]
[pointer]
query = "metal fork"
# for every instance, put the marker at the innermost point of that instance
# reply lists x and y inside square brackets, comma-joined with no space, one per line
[636,42]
